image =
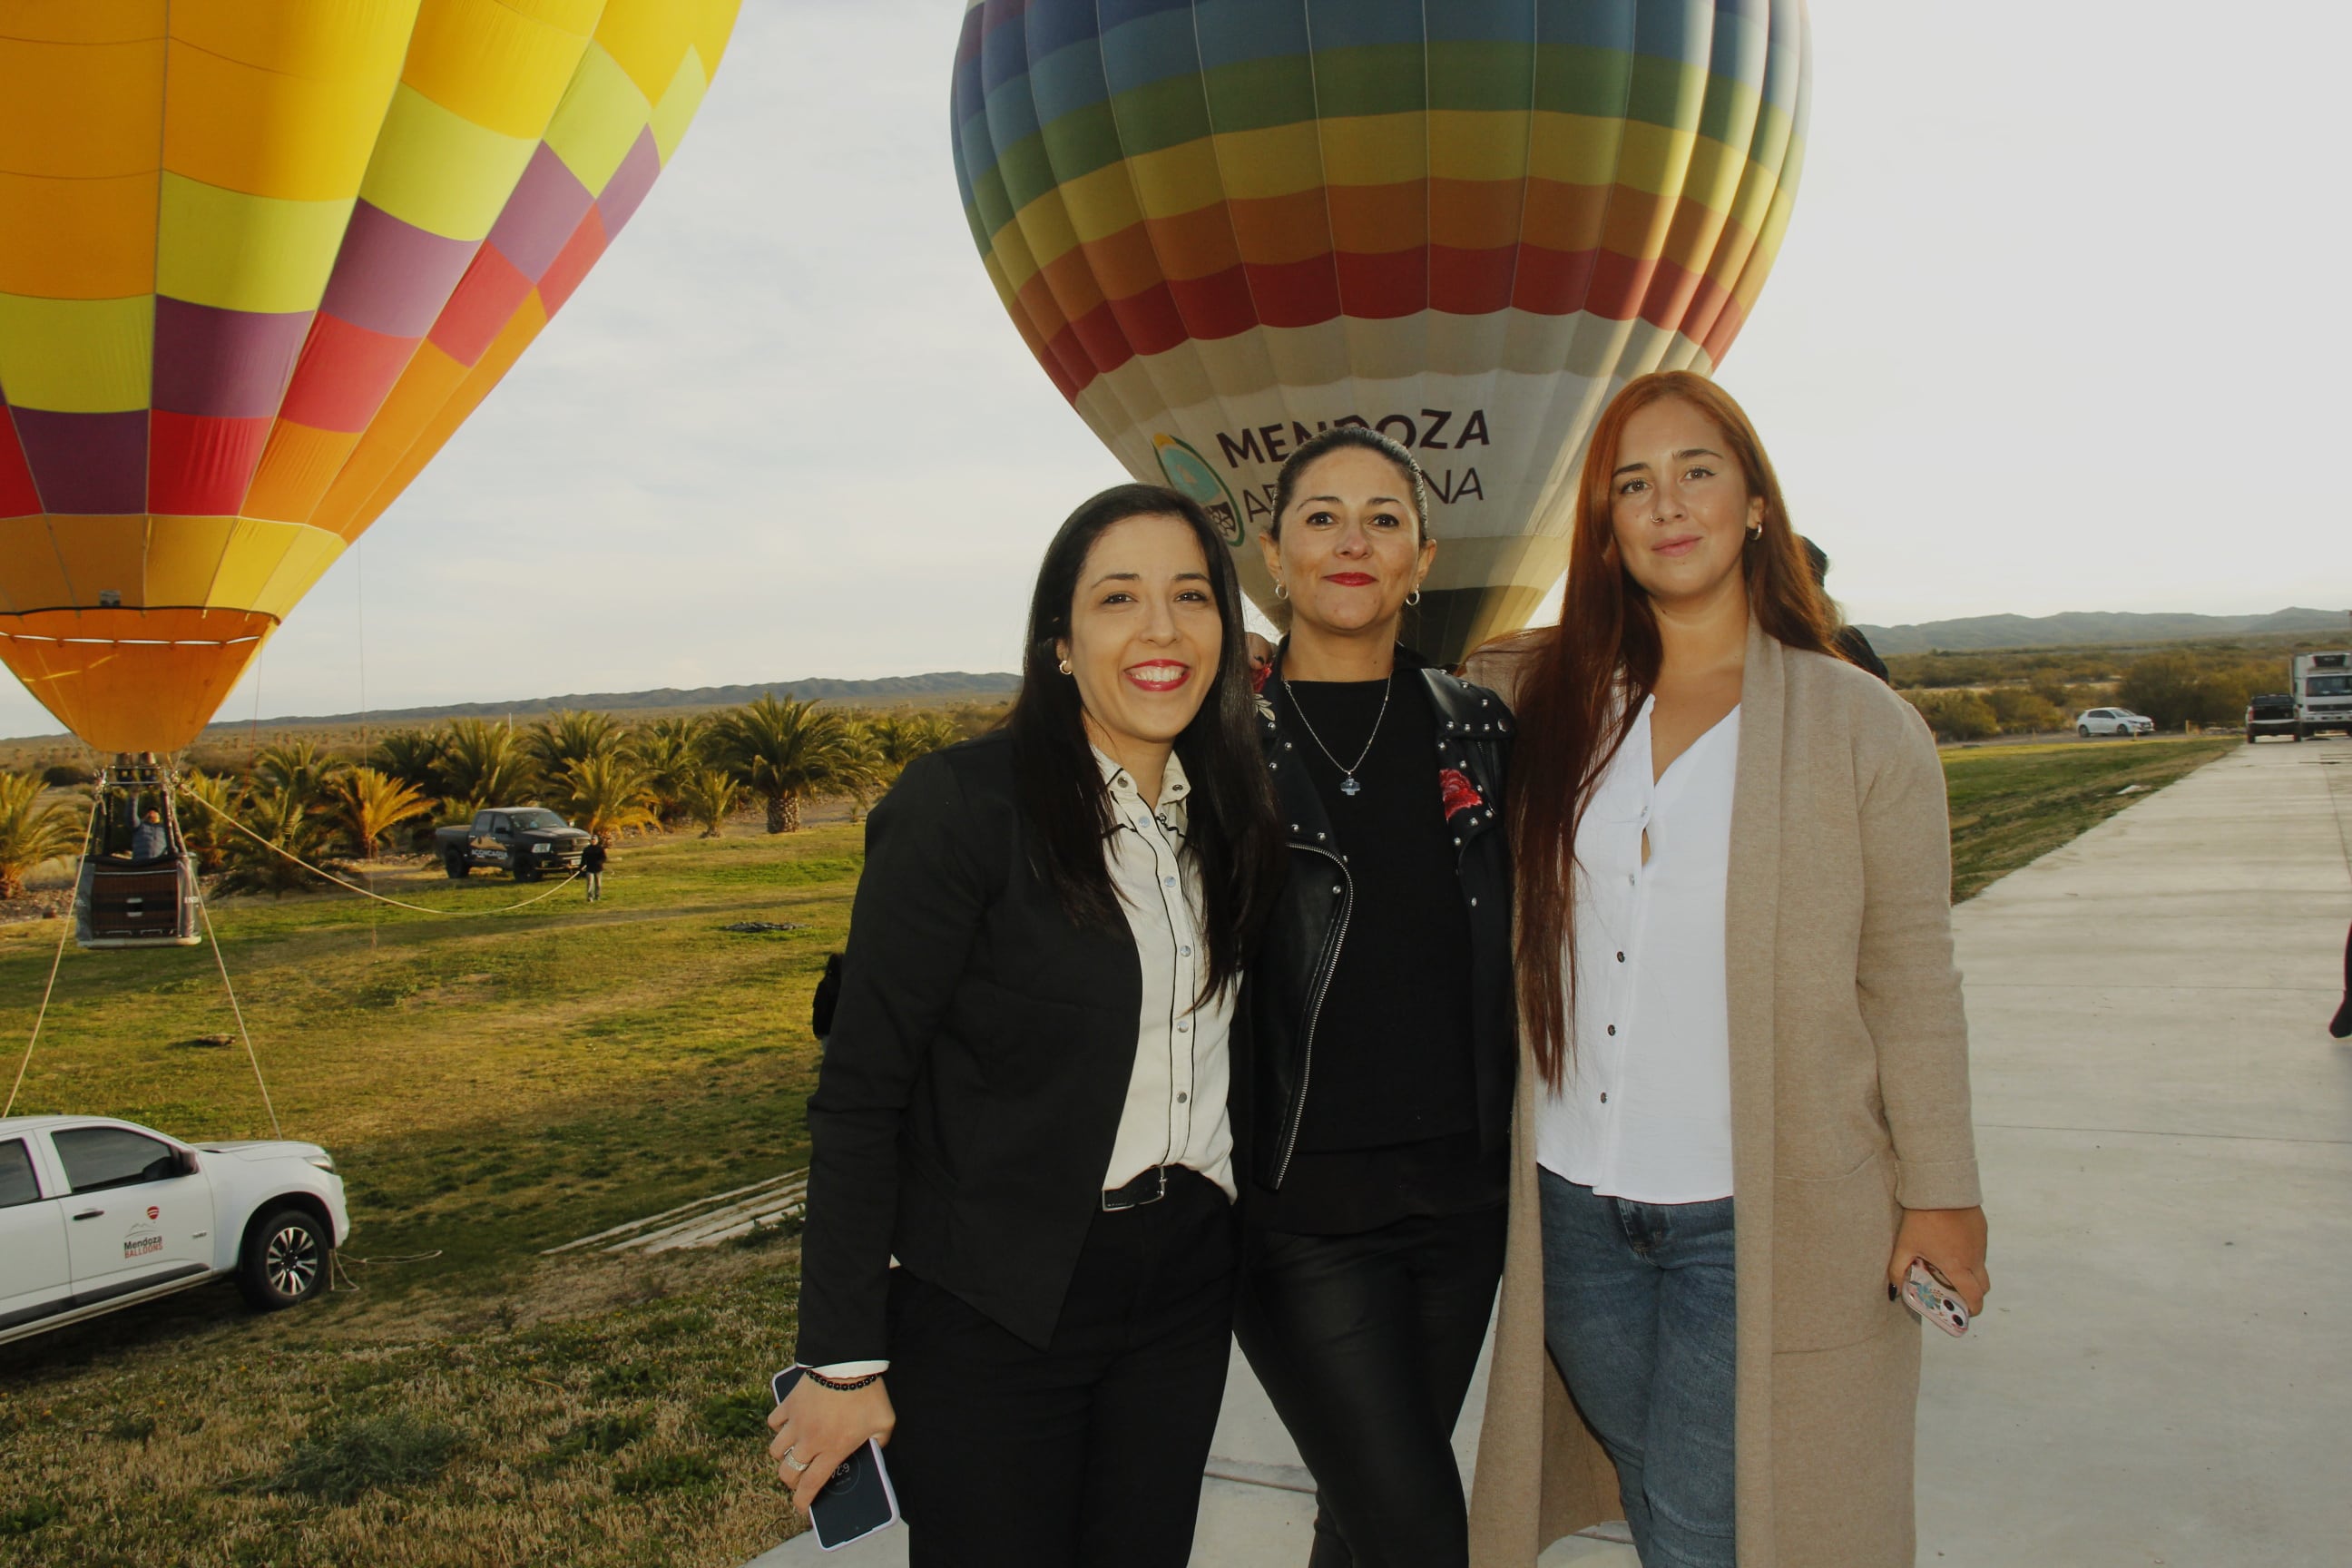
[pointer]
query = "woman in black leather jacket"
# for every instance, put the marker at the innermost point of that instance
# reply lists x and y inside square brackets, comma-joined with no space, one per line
[1380,1009]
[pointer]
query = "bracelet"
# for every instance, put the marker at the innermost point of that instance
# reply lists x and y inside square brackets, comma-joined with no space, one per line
[840,1384]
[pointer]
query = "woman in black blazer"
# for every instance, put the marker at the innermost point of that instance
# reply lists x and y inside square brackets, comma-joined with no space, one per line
[1023,1101]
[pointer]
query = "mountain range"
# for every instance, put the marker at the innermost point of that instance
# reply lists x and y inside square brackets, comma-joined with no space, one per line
[1975,633]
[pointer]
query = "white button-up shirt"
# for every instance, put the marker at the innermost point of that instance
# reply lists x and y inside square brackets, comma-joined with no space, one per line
[1175,1111]
[1643,1112]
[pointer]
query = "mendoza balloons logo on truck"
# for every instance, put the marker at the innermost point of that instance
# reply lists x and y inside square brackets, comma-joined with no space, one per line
[258,260]
[1465,223]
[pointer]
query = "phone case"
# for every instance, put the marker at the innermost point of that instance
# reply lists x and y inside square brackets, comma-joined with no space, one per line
[1927,1292]
[859,1500]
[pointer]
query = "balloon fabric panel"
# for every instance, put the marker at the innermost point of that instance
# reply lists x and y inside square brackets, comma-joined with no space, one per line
[1223,224]
[259,259]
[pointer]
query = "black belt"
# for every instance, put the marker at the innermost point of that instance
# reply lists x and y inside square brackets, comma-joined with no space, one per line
[1147,1188]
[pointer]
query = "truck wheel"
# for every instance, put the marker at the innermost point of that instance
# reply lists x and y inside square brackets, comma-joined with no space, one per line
[285,1260]
[2298,731]
[456,865]
[524,871]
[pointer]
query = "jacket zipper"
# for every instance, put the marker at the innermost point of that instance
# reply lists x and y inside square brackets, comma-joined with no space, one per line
[1314,1014]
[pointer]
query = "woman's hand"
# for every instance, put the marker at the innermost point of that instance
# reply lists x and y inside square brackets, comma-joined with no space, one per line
[816,1428]
[1951,1239]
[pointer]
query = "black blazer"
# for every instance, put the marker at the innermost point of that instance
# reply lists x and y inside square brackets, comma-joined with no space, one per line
[973,1081]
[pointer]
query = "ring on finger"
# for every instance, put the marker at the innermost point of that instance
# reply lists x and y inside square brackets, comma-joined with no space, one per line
[797,1464]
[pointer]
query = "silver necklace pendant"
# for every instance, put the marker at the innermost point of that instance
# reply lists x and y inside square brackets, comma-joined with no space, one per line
[1350,786]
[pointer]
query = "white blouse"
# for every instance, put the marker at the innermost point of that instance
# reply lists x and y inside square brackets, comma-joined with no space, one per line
[1643,1112]
[1175,1109]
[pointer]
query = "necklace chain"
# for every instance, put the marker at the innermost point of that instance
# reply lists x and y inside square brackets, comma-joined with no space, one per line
[1348,785]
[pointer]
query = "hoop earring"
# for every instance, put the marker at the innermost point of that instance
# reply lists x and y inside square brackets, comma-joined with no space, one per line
[1755,532]
[1414,597]
[1281,590]
[1065,669]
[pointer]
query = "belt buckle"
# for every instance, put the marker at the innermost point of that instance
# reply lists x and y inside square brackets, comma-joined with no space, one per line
[1114,1201]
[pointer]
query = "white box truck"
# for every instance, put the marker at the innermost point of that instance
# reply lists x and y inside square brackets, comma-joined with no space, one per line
[2322,685]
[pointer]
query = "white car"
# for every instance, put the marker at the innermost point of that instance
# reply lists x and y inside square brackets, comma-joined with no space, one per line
[97,1214]
[2112,722]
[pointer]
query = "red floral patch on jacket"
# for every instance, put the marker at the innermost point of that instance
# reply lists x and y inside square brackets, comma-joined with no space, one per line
[1458,793]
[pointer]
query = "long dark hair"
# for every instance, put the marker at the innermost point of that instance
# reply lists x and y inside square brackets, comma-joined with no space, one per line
[1231,829]
[1571,715]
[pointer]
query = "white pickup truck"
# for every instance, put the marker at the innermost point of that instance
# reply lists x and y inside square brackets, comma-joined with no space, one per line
[97,1214]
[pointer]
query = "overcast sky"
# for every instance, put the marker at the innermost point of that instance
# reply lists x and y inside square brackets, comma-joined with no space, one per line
[2057,326]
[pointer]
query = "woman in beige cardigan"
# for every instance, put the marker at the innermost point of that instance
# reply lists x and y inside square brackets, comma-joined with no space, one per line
[1746,987]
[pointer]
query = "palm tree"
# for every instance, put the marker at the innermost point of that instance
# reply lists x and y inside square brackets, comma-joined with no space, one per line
[205,833]
[605,794]
[560,739]
[483,762]
[367,805]
[281,819]
[783,750]
[671,750]
[710,797]
[413,757]
[301,769]
[31,834]
[903,737]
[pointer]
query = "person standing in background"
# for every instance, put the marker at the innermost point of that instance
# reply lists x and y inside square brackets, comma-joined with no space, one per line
[591,866]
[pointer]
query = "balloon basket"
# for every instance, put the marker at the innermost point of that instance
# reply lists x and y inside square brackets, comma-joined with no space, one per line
[137,883]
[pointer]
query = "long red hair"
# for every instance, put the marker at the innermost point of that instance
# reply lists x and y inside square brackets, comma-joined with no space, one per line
[1572,716]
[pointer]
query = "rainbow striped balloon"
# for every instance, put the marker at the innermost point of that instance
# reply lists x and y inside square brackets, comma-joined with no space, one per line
[258,260]
[1223,224]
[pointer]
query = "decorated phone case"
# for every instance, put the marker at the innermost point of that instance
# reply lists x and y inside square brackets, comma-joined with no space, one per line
[1927,1292]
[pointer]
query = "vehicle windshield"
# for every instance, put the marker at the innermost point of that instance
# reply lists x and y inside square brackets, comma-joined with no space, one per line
[2327,686]
[536,819]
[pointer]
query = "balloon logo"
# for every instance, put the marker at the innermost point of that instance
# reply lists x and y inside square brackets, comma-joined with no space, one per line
[1221,227]
[258,260]
[1189,474]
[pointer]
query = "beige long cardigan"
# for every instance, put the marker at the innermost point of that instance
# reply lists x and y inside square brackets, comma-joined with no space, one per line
[1850,1099]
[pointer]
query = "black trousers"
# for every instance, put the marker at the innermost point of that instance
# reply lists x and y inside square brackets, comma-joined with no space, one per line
[1086,1454]
[1366,1344]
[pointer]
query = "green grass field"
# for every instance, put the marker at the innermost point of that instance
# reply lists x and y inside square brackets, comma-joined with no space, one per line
[493,1085]
[2011,805]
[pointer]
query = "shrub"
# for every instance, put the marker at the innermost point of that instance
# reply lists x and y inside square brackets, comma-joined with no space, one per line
[1956,715]
[341,1459]
[66,775]
[2021,711]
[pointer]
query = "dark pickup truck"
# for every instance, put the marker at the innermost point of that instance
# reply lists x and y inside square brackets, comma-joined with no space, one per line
[527,840]
[2270,714]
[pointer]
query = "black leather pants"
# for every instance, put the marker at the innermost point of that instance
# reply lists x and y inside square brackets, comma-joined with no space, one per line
[1366,1344]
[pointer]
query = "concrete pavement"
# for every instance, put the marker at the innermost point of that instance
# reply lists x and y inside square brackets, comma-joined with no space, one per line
[2166,1131]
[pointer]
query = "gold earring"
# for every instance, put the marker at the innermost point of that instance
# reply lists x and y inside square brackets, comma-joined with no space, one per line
[1280,591]
[1755,531]
[1065,667]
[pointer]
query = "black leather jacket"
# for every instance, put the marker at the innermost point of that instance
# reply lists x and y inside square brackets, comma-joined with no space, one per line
[1300,949]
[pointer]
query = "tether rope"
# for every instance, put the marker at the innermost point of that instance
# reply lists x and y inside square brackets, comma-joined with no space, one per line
[284,853]
[72,902]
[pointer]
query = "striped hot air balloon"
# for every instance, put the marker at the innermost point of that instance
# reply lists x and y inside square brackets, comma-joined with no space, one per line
[259,259]
[1223,224]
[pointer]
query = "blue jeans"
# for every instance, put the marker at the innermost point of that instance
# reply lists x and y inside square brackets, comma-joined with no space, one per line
[1638,1313]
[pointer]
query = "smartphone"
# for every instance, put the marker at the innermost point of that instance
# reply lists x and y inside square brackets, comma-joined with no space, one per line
[1927,1292]
[859,1499]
